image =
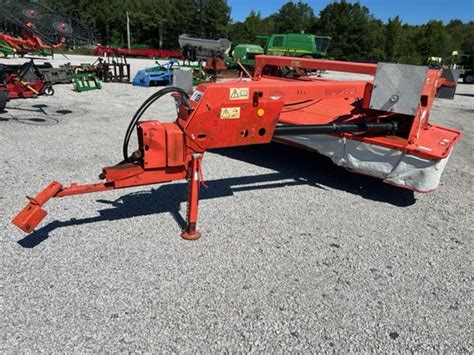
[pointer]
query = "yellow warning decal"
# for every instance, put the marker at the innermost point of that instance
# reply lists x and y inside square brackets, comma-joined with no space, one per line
[230,113]
[239,93]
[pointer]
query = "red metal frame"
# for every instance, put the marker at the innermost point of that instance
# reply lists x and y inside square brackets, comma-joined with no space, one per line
[29,43]
[17,88]
[136,52]
[337,99]
[240,113]
[311,64]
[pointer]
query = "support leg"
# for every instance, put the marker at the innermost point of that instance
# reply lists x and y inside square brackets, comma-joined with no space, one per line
[193,199]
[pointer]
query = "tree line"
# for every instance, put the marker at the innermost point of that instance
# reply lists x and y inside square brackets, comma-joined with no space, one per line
[356,33]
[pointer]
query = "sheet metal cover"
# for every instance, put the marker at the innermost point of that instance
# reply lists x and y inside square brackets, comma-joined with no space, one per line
[183,79]
[448,92]
[398,88]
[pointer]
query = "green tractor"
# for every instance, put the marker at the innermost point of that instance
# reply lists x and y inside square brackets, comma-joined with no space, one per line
[292,44]
[244,53]
[297,45]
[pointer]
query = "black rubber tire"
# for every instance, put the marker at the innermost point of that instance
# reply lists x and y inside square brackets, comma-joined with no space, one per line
[48,90]
[468,79]
[3,100]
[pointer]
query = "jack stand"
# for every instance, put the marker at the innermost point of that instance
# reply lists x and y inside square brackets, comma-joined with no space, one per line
[193,199]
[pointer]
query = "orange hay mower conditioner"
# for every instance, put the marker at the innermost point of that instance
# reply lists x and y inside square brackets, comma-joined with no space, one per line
[376,127]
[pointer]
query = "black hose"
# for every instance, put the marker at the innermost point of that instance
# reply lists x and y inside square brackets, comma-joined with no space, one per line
[141,111]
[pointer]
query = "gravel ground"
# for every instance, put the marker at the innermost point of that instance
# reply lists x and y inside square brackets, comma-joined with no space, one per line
[296,254]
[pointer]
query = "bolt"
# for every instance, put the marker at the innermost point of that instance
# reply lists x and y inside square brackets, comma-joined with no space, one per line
[394,98]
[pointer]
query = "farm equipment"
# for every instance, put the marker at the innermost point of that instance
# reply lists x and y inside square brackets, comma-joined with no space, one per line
[114,69]
[209,53]
[31,70]
[376,127]
[296,45]
[245,54]
[5,49]
[136,52]
[23,82]
[161,74]
[465,63]
[3,98]
[85,82]
[198,49]
[291,44]
[110,69]
[199,74]
[61,75]
[87,76]
[42,29]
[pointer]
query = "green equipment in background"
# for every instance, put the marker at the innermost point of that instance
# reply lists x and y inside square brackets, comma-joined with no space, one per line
[290,44]
[5,49]
[85,82]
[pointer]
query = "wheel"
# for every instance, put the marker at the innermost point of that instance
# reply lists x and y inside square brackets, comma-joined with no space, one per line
[469,79]
[48,90]
[3,100]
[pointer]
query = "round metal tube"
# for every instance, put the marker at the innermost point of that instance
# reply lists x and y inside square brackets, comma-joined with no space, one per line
[386,127]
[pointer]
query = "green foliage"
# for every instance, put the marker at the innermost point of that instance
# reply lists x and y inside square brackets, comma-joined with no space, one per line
[153,23]
[354,30]
[461,36]
[254,25]
[294,18]
[433,40]
[355,33]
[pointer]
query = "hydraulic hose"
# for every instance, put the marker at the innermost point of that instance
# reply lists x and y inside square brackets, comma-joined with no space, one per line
[136,117]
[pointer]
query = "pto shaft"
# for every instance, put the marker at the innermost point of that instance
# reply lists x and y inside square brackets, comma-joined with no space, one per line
[386,127]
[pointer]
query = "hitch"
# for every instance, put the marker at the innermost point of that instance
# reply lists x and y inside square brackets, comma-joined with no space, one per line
[32,214]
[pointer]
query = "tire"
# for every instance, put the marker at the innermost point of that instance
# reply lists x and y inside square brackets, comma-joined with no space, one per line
[48,90]
[468,79]
[3,100]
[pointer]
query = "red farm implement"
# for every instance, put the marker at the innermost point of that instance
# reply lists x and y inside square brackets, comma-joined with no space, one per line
[22,82]
[136,52]
[40,28]
[378,127]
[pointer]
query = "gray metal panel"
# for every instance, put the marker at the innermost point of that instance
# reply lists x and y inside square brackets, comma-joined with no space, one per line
[446,92]
[57,75]
[183,79]
[398,88]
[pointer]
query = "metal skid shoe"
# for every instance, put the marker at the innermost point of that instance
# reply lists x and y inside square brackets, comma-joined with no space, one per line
[194,179]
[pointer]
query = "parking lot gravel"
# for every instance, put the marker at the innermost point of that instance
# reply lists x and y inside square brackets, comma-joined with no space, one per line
[296,255]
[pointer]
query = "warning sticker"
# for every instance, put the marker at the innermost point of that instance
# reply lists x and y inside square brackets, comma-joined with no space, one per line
[230,113]
[239,93]
[197,96]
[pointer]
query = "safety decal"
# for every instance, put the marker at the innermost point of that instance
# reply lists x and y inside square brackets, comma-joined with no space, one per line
[239,94]
[197,96]
[230,113]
